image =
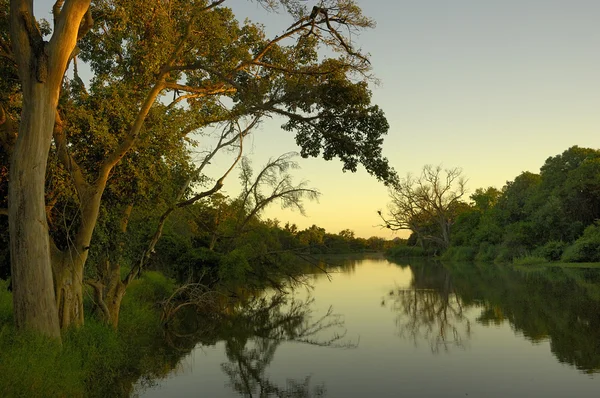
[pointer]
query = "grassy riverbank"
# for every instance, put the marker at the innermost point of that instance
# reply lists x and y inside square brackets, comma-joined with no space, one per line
[94,360]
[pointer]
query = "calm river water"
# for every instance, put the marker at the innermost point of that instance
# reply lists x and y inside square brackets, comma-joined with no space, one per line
[380,329]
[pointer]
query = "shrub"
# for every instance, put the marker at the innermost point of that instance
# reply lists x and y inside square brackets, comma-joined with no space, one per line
[487,252]
[552,251]
[234,266]
[152,287]
[586,248]
[401,251]
[460,253]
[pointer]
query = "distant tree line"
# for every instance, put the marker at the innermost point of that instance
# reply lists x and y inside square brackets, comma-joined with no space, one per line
[549,216]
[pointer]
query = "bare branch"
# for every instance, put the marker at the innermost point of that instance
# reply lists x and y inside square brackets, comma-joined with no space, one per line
[431,199]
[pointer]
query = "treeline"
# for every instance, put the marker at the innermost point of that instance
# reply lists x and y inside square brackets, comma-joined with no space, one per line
[549,216]
[205,243]
[219,241]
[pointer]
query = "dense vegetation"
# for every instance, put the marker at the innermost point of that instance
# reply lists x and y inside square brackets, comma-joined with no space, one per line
[103,169]
[124,145]
[549,216]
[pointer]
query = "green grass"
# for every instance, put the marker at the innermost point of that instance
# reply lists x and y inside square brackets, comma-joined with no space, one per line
[94,360]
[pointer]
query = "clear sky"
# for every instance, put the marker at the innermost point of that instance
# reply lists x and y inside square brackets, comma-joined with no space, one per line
[494,87]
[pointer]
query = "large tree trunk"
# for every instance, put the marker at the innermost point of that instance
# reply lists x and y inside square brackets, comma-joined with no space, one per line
[33,292]
[41,66]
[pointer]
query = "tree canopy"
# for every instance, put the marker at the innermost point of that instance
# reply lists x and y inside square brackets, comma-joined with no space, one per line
[162,75]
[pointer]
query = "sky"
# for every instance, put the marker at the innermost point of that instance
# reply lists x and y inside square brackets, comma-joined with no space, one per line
[492,87]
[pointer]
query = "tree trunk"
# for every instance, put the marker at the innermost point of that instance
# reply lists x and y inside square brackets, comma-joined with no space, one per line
[41,66]
[67,268]
[109,291]
[33,293]
[113,302]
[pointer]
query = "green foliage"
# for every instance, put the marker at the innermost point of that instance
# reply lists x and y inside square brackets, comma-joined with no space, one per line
[33,366]
[537,213]
[196,262]
[586,248]
[94,360]
[487,252]
[234,266]
[460,253]
[152,288]
[485,199]
[402,251]
[552,251]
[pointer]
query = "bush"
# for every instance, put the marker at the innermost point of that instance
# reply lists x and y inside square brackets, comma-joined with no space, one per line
[586,248]
[460,253]
[402,251]
[152,287]
[234,266]
[487,252]
[551,251]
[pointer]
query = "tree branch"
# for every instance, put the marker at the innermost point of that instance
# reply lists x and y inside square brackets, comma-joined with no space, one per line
[134,132]
[67,160]
[218,185]
[203,91]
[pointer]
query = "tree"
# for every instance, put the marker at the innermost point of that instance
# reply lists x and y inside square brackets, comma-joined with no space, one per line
[215,69]
[275,178]
[485,199]
[427,205]
[41,66]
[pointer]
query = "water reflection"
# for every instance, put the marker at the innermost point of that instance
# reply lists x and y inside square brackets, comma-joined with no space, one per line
[429,310]
[253,331]
[559,305]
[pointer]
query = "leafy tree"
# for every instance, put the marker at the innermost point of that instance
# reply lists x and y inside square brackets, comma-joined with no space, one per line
[108,134]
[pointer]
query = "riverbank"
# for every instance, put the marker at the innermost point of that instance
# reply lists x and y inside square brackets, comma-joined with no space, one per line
[94,360]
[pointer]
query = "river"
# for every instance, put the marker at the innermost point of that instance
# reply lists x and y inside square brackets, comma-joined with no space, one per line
[373,328]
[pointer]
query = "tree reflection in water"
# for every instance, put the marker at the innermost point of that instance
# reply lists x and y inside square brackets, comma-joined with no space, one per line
[253,331]
[430,310]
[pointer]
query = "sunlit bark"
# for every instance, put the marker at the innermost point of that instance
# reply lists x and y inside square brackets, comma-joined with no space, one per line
[41,66]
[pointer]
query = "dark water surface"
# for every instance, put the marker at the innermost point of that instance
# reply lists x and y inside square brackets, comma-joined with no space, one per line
[380,329]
